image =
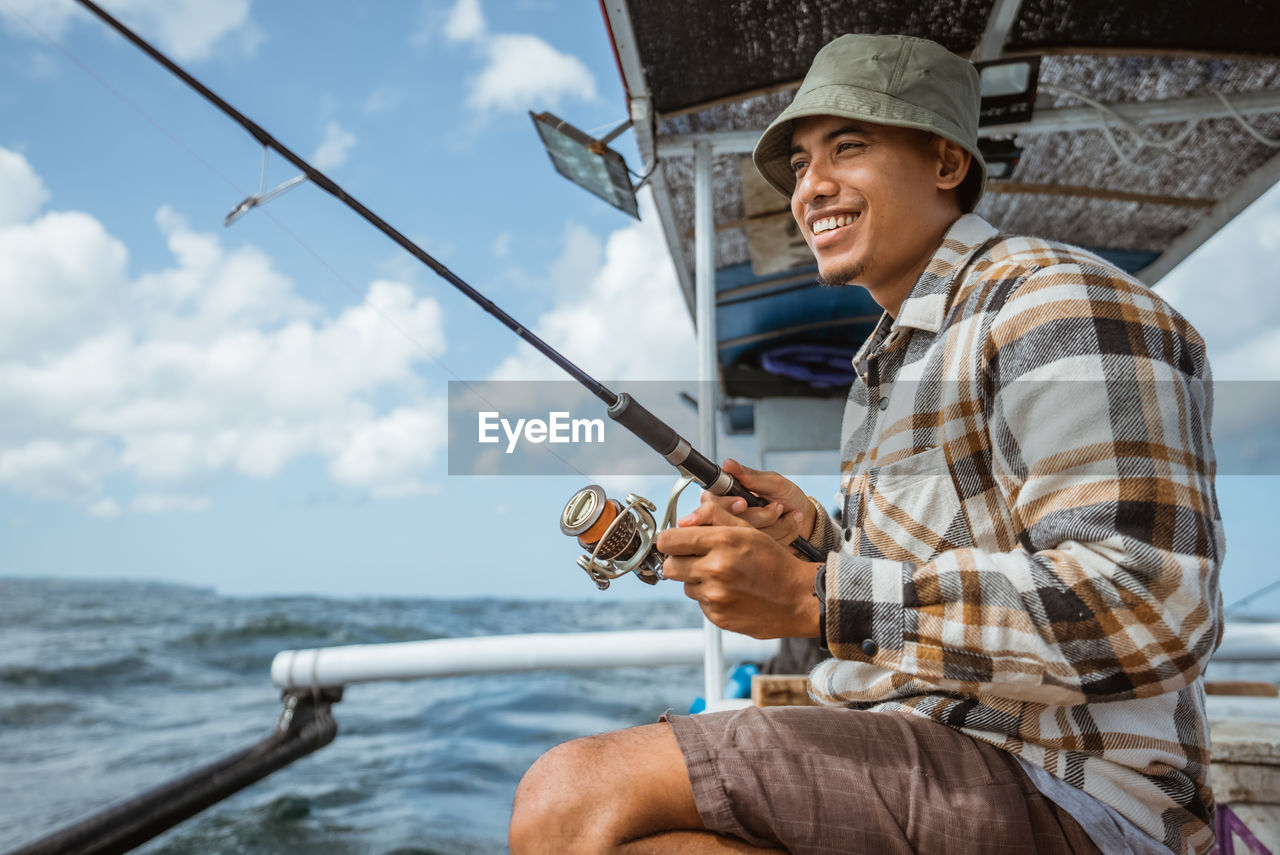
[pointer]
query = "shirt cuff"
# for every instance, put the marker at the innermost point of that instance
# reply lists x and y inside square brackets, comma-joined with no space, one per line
[865,615]
[825,534]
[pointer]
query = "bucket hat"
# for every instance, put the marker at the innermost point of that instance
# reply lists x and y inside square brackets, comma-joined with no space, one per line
[886,80]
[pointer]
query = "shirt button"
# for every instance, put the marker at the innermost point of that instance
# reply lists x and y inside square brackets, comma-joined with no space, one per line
[884,403]
[848,534]
[869,647]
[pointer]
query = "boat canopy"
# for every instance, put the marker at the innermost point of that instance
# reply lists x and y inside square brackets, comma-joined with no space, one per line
[1092,164]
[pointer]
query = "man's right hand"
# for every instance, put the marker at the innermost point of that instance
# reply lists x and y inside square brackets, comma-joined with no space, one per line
[788,515]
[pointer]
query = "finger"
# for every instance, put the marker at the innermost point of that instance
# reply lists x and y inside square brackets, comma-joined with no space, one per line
[698,539]
[769,485]
[785,530]
[676,569]
[712,513]
[753,479]
[733,504]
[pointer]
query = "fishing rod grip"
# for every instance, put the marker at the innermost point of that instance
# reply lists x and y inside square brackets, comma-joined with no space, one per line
[662,438]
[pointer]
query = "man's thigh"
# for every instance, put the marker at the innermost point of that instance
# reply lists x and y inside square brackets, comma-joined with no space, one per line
[822,780]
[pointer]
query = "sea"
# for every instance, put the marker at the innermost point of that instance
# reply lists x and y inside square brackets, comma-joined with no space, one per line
[109,688]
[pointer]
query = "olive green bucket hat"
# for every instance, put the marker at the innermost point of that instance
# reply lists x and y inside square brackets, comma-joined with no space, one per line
[886,80]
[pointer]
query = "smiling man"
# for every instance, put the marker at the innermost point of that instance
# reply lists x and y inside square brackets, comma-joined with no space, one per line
[1025,597]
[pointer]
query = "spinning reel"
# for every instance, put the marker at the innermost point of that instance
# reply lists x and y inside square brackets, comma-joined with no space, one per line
[620,536]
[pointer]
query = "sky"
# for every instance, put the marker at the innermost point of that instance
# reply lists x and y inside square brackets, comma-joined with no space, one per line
[262,408]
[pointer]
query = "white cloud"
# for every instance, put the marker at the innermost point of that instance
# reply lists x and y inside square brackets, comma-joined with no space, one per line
[579,261]
[382,100]
[214,364]
[523,72]
[49,17]
[25,192]
[334,148]
[382,455]
[1221,289]
[161,503]
[502,245]
[465,22]
[105,509]
[626,320]
[49,292]
[188,30]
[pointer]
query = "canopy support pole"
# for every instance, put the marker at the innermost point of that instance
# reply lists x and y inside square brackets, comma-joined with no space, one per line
[705,303]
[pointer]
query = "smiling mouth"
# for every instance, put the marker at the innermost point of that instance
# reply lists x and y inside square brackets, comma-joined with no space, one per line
[832,223]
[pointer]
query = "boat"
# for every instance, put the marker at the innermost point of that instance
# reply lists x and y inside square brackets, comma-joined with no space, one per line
[1105,88]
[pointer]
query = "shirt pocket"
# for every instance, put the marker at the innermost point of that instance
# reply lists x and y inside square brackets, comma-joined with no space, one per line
[912,511]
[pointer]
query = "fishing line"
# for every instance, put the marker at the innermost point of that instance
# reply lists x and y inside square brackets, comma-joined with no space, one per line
[622,408]
[260,198]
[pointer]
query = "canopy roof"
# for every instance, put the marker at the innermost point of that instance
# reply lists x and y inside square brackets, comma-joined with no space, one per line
[721,71]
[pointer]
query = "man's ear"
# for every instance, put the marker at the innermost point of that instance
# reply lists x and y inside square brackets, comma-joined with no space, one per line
[953,163]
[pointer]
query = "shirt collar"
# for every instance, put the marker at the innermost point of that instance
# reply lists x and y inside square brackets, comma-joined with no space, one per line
[926,305]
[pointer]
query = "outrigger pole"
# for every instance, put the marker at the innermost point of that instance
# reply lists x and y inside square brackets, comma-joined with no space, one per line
[305,725]
[622,408]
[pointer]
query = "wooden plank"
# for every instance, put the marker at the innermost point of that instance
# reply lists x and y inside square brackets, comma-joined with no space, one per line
[1097,193]
[780,690]
[758,198]
[1241,687]
[775,244]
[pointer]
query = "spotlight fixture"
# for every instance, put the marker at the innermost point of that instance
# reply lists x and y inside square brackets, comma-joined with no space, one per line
[589,162]
[1008,90]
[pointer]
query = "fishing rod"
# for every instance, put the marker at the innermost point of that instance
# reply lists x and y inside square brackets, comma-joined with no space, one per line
[622,408]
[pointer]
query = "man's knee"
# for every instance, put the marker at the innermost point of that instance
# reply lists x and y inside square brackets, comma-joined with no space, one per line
[552,807]
[590,794]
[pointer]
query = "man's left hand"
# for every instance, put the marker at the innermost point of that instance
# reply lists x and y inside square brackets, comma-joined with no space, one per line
[743,579]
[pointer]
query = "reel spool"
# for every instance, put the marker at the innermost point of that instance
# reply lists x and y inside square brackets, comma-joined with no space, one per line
[619,536]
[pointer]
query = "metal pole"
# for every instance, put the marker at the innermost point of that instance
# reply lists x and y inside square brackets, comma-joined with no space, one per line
[705,301]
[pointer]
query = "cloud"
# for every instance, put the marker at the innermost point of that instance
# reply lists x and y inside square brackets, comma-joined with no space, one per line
[381,455]
[106,509]
[465,22]
[523,72]
[25,192]
[160,503]
[188,30]
[626,320]
[1221,290]
[382,100]
[334,148]
[214,364]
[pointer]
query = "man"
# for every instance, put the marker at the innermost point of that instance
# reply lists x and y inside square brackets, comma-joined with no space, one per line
[1026,594]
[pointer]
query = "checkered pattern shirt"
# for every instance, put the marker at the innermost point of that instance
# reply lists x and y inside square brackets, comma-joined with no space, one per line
[1033,538]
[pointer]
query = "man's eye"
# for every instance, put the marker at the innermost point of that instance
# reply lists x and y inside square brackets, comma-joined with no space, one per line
[797,165]
[848,146]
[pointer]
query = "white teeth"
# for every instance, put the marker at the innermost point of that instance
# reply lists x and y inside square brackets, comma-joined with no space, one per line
[830,223]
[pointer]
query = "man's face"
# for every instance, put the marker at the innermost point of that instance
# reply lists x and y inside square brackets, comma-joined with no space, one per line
[867,201]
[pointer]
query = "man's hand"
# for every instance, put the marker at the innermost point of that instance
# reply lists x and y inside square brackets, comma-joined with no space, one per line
[788,515]
[742,578]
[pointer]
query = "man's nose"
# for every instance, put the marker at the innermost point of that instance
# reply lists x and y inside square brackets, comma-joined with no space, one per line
[816,183]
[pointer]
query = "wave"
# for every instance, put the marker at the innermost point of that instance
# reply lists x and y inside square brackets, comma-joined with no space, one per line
[126,671]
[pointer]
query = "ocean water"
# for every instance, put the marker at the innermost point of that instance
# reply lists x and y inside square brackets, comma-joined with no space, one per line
[109,688]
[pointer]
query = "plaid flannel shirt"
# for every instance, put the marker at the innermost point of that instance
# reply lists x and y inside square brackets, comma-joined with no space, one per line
[1033,538]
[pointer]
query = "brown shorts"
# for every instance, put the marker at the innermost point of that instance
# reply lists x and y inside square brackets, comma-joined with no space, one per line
[823,780]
